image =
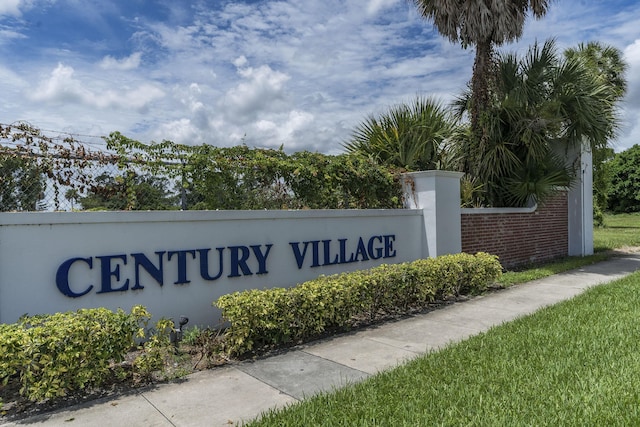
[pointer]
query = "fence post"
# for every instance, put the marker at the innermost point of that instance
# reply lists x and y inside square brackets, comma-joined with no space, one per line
[183,188]
[437,193]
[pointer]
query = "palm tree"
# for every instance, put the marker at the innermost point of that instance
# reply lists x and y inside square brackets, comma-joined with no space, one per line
[606,65]
[483,24]
[605,62]
[541,105]
[407,136]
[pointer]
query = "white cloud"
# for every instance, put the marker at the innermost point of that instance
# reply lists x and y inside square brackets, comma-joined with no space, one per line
[261,89]
[61,87]
[17,8]
[285,129]
[376,6]
[240,61]
[8,36]
[322,59]
[137,98]
[124,64]
[10,77]
[10,7]
[181,131]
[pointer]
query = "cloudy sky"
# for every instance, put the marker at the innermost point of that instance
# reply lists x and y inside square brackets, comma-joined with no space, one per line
[297,73]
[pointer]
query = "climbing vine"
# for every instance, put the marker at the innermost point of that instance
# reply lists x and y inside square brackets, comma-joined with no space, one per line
[130,175]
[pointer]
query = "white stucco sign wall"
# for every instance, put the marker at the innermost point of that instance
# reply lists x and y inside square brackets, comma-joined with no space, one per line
[178,263]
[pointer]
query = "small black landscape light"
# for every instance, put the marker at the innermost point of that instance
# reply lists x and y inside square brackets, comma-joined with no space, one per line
[183,321]
[176,334]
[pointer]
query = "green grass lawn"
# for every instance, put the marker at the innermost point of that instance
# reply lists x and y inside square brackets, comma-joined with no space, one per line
[575,363]
[618,231]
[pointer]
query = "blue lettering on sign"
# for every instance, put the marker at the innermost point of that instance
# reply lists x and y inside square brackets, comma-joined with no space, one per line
[241,260]
[299,255]
[141,260]
[62,277]
[182,265]
[204,264]
[375,248]
[261,257]
[109,270]
[239,257]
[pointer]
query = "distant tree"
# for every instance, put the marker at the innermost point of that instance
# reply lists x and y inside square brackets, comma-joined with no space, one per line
[407,136]
[22,182]
[73,196]
[601,158]
[128,192]
[624,189]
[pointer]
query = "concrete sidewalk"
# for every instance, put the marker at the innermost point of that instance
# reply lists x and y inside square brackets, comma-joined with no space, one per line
[240,392]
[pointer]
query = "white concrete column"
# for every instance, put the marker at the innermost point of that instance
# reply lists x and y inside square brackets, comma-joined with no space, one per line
[580,199]
[437,193]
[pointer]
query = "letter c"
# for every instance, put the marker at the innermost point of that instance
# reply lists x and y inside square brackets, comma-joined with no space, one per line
[62,277]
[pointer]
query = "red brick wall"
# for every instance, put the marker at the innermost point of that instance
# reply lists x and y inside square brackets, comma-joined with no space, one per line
[519,238]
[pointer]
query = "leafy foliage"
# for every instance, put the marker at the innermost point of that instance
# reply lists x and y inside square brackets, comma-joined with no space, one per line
[129,191]
[33,160]
[601,158]
[135,176]
[624,191]
[51,356]
[250,178]
[277,316]
[605,62]
[407,136]
[22,182]
[542,105]
[55,354]
[607,66]
[157,349]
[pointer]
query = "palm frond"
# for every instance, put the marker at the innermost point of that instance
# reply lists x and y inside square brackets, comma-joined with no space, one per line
[408,136]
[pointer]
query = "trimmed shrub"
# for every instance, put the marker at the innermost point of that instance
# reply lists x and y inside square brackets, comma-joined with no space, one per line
[55,354]
[271,317]
[260,318]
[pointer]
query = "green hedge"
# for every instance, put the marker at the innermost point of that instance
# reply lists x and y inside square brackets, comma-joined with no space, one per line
[55,354]
[271,317]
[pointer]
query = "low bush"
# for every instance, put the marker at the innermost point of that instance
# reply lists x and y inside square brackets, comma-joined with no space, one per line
[156,349]
[271,317]
[52,355]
